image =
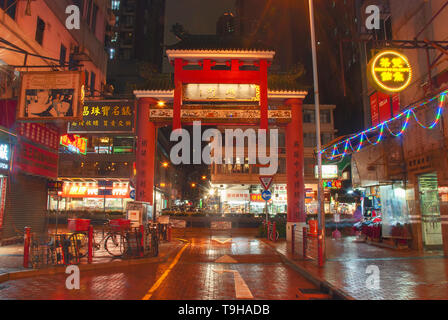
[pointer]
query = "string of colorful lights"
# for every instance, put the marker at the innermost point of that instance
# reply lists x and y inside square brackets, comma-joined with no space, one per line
[377,132]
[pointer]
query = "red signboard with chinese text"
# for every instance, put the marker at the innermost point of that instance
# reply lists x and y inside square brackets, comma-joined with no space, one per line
[35,161]
[384,107]
[374,109]
[40,133]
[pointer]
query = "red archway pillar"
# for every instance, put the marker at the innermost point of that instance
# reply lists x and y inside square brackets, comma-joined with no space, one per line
[295,166]
[146,145]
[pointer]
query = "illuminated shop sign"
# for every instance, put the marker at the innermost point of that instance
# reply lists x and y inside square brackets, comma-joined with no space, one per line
[74,143]
[332,184]
[92,190]
[390,71]
[110,116]
[5,154]
[329,171]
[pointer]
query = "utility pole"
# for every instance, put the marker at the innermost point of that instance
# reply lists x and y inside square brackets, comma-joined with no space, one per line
[320,209]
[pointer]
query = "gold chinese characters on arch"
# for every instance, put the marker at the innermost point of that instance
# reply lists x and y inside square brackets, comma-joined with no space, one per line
[390,72]
[219,115]
[221,92]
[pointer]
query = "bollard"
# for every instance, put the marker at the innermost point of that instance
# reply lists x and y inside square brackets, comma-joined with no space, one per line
[90,245]
[142,240]
[293,227]
[26,247]
[269,228]
[320,259]
[274,233]
[304,241]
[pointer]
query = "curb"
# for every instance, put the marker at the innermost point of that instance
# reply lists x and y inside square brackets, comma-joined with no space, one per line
[323,284]
[15,275]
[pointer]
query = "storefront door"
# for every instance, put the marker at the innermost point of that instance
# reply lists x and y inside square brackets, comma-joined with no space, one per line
[429,204]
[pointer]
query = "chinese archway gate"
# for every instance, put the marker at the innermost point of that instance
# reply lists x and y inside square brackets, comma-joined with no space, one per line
[221,77]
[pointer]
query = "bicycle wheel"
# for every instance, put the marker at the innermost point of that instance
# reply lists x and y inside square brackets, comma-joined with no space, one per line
[79,245]
[271,236]
[154,246]
[116,244]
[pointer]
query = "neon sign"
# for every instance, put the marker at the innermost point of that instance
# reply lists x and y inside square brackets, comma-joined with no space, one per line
[390,71]
[76,144]
[332,184]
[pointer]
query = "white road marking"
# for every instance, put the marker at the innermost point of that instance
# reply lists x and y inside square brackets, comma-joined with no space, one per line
[226,259]
[241,289]
[221,241]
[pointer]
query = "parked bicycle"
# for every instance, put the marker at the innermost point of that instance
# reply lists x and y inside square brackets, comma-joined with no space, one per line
[114,240]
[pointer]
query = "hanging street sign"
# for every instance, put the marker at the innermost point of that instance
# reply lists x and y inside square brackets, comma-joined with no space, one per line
[390,71]
[266,195]
[266,181]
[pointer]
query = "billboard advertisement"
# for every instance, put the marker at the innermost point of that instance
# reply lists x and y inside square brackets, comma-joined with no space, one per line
[46,96]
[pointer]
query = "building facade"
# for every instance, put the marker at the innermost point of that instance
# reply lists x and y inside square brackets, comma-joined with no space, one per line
[34,37]
[134,42]
[412,166]
[238,185]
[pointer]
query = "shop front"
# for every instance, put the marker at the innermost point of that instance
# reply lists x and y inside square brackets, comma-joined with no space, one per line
[89,196]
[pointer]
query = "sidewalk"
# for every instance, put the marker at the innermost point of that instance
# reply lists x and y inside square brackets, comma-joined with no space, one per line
[404,274]
[11,258]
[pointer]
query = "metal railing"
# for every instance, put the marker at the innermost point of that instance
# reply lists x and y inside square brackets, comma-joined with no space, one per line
[306,245]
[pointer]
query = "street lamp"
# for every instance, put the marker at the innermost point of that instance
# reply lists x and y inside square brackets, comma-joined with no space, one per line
[204,177]
[165,164]
[193,185]
[320,211]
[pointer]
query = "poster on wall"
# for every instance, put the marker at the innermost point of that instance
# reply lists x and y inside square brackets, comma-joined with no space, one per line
[47,96]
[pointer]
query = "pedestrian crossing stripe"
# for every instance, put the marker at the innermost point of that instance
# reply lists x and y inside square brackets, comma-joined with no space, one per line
[226,259]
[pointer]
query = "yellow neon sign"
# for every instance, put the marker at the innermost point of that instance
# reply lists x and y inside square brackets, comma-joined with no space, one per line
[390,71]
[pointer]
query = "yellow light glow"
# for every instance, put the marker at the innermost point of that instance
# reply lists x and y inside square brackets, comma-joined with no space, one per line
[163,185]
[161,103]
[398,68]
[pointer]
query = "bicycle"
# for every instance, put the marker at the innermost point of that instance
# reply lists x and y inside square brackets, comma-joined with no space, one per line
[115,241]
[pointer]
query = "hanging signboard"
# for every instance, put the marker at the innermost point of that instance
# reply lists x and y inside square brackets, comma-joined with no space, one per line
[390,71]
[46,96]
[329,171]
[111,116]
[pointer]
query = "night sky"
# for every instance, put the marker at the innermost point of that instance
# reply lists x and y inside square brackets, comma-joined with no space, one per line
[197,16]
